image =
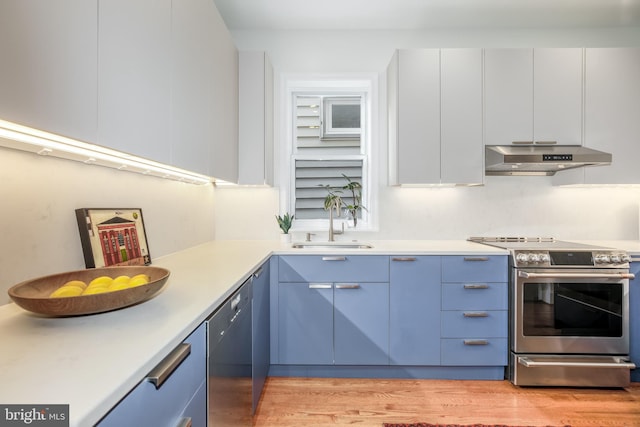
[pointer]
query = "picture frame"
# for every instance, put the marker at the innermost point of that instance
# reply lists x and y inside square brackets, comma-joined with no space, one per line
[113,237]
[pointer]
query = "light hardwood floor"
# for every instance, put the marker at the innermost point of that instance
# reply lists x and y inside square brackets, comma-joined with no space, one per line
[299,402]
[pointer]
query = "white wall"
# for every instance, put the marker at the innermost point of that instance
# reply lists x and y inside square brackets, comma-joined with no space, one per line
[38,197]
[504,206]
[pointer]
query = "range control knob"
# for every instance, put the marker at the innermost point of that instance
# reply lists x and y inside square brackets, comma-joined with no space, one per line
[521,257]
[534,258]
[625,258]
[615,259]
[545,258]
[602,259]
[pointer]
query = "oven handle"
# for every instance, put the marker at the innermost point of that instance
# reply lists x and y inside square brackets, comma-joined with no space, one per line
[527,275]
[618,363]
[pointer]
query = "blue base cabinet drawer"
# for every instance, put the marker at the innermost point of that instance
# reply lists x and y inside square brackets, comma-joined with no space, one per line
[475,269]
[473,352]
[475,296]
[175,399]
[474,324]
[333,268]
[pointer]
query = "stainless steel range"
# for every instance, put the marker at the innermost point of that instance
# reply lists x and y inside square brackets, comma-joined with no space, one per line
[569,304]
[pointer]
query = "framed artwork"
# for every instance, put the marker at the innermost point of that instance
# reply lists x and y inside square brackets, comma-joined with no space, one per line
[112,237]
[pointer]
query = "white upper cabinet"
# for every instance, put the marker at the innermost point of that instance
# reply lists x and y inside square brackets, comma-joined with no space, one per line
[533,95]
[255,131]
[462,151]
[612,112]
[431,92]
[508,92]
[205,91]
[48,76]
[415,139]
[557,95]
[134,88]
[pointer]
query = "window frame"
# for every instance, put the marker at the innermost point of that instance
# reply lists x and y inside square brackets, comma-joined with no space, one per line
[364,84]
[328,131]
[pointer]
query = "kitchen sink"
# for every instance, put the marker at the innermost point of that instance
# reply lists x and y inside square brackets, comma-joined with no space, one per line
[331,245]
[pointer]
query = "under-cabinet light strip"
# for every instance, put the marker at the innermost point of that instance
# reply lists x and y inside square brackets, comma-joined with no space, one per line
[45,143]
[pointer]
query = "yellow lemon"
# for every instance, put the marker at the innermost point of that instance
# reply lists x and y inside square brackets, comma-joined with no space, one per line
[120,279]
[66,291]
[102,280]
[116,286]
[139,281]
[138,276]
[95,290]
[77,283]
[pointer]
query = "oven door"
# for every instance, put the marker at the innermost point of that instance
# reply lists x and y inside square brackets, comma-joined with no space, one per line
[571,311]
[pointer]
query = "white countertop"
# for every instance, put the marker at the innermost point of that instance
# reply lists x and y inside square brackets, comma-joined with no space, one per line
[631,246]
[91,362]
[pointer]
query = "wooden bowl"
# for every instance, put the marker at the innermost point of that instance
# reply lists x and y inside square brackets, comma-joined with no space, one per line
[33,295]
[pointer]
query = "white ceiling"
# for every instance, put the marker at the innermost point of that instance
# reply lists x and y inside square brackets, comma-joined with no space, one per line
[426,14]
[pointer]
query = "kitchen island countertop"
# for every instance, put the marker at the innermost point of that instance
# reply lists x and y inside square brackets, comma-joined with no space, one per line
[91,362]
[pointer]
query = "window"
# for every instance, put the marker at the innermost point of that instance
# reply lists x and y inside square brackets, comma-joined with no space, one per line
[341,117]
[328,144]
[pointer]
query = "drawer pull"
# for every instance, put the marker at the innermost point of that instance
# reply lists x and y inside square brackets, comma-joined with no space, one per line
[347,286]
[334,258]
[257,273]
[160,373]
[185,422]
[475,314]
[320,285]
[475,342]
[476,258]
[404,258]
[476,286]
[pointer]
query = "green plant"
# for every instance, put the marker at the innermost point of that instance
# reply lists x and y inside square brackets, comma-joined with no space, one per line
[334,198]
[285,222]
[356,195]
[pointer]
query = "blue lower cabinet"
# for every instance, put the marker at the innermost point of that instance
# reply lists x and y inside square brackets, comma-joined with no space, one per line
[260,338]
[473,268]
[305,323]
[426,316]
[474,324]
[634,320]
[361,323]
[181,396]
[415,310]
[474,351]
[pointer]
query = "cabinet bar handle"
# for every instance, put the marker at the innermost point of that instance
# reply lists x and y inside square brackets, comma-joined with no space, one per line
[257,273]
[475,314]
[475,342]
[320,285]
[522,142]
[185,422]
[347,286]
[160,373]
[546,142]
[476,258]
[404,258]
[476,286]
[334,258]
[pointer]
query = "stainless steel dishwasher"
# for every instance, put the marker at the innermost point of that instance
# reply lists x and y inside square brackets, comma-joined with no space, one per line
[229,367]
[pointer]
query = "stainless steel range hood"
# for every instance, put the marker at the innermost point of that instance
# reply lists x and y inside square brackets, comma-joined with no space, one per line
[505,160]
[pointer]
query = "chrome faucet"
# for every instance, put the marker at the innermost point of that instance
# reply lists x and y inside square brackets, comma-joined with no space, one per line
[332,232]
